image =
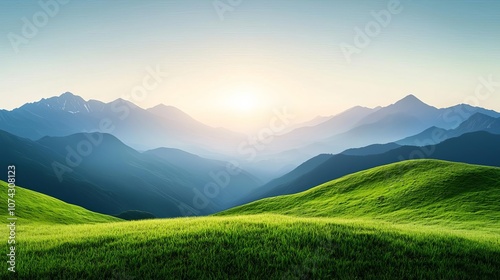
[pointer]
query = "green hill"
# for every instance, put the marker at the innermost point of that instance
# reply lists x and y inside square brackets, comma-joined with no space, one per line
[418,191]
[479,148]
[34,207]
[436,220]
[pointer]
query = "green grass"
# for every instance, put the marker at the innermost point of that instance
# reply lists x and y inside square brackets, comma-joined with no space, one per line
[421,192]
[438,220]
[34,207]
[260,246]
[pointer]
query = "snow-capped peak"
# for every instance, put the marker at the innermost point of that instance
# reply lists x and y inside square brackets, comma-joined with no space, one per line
[67,102]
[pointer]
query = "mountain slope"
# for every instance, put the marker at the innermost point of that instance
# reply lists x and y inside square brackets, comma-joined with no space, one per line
[435,135]
[447,118]
[406,117]
[286,151]
[417,191]
[410,106]
[296,173]
[236,181]
[334,125]
[34,207]
[431,136]
[374,149]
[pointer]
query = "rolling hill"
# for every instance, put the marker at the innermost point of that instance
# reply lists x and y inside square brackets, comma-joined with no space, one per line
[421,192]
[475,148]
[416,219]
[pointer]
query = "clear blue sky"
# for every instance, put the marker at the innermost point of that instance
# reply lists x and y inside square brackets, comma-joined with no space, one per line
[264,54]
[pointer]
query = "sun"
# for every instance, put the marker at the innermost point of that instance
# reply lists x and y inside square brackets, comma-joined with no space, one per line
[243,101]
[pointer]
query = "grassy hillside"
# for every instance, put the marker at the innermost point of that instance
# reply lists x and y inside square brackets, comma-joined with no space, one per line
[437,220]
[34,207]
[418,191]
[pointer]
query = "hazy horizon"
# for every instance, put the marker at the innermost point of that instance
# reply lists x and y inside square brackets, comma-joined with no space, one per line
[232,71]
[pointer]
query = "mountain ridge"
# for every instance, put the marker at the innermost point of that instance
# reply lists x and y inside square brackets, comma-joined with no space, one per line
[69,114]
[435,135]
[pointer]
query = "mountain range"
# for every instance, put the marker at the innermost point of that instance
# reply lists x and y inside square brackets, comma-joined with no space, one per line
[167,126]
[99,172]
[394,122]
[435,135]
[360,127]
[117,158]
[160,126]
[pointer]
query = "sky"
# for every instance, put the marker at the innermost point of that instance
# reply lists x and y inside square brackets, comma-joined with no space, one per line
[232,63]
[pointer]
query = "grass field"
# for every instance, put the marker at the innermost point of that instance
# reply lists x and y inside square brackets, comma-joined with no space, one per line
[411,220]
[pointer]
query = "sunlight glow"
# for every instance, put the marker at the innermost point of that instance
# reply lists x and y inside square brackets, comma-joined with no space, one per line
[243,101]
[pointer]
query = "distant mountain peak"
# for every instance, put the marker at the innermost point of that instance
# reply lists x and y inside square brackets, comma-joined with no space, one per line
[170,112]
[164,107]
[358,108]
[410,99]
[121,101]
[68,94]
[67,102]
[410,102]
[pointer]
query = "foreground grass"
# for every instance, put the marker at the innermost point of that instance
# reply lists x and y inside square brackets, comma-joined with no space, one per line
[411,220]
[252,247]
